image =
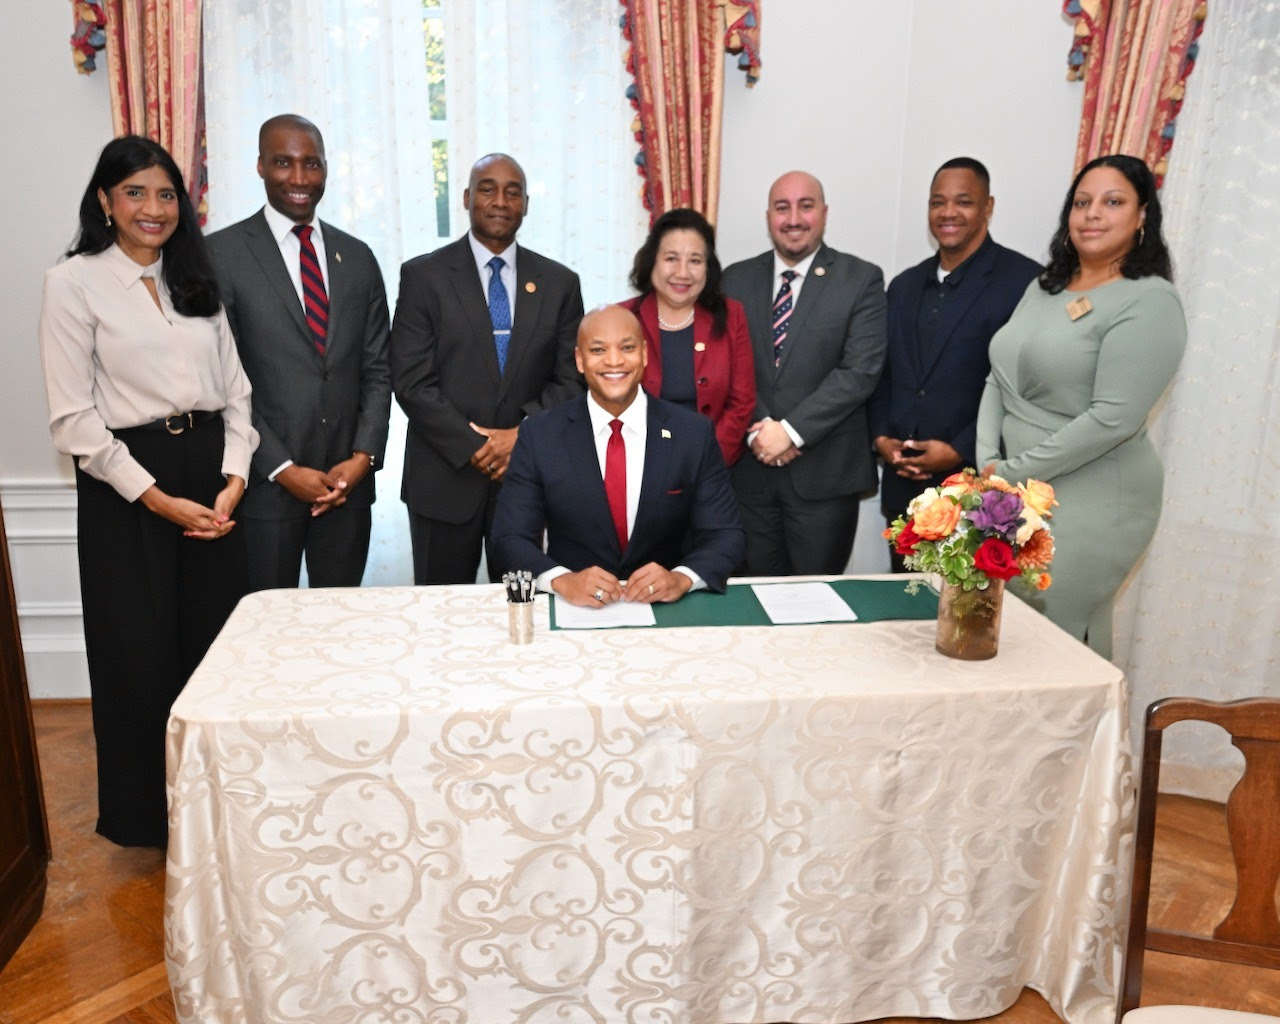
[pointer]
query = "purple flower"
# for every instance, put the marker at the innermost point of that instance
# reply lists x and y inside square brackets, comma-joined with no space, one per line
[998,515]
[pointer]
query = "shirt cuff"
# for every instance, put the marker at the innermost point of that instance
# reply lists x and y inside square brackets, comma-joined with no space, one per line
[279,469]
[698,582]
[796,439]
[543,582]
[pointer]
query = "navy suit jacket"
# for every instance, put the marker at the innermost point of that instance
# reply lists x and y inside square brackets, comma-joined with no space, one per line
[939,401]
[687,513]
[314,409]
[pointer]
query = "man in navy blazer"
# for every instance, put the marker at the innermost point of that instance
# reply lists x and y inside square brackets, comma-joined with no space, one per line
[942,314]
[682,529]
[320,405]
[466,384]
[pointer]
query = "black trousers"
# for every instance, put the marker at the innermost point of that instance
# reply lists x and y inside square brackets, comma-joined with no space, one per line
[153,601]
[450,552]
[788,535]
[336,545]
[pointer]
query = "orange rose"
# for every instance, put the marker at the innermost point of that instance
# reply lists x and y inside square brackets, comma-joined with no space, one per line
[965,478]
[1038,495]
[937,520]
[1044,581]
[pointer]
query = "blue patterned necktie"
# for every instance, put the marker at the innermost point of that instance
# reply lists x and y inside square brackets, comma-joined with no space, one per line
[499,311]
[782,314]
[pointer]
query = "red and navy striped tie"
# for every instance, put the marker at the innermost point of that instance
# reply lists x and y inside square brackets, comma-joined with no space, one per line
[314,300]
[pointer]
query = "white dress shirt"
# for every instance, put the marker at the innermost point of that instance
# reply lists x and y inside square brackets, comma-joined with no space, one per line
[113,360]
[508,273]
[801,271]
[291,248]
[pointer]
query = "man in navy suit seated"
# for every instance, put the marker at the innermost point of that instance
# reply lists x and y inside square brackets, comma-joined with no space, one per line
[942,314]
[624,485]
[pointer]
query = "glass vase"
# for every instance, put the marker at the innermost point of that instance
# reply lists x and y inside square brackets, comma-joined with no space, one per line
[969,621]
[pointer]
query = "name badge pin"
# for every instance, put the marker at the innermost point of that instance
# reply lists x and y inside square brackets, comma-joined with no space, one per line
[1077,308]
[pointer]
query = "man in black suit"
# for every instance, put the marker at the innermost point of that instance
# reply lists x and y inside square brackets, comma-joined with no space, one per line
[669,526]
[942,314]
[817,330]
[477,345]
[308,309]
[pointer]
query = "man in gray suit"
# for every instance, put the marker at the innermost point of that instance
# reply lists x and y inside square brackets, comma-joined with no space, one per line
[484,336]
[817,321]
[308,308]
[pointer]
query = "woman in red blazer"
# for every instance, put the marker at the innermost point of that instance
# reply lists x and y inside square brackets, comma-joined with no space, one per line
[699,348]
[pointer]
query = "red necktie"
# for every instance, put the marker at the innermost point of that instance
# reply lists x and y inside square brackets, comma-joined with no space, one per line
[315,301]
[615,481]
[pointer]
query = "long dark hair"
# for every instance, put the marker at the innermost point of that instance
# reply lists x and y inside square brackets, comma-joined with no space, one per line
[683,219]
[1149,256]
[188,274]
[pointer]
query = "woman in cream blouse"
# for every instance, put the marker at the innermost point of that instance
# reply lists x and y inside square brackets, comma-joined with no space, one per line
[146,391]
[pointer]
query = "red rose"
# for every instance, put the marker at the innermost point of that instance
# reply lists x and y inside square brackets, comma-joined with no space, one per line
[907,541]
[995,558]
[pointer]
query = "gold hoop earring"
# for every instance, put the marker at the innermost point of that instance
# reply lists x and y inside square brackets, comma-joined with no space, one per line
[108,216]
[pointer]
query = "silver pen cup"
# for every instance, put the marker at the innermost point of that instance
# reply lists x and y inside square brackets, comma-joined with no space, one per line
[520,621]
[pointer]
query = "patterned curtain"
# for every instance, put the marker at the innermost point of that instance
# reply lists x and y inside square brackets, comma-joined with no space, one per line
[153,61]
[677,60]
[1134,57]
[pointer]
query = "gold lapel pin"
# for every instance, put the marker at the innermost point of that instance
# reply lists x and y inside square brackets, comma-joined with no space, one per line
[820,271]
[1077,308]
[530,287]
[337,257]
[666,433]
[700,346]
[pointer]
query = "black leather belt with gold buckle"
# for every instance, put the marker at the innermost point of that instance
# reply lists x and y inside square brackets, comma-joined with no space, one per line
[178,422]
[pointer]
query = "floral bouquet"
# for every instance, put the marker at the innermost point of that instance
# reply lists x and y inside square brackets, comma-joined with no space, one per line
[971,531]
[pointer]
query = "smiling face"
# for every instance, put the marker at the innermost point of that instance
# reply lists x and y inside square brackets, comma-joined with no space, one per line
[680,270]
[497,201]
[797,216]
[144,208]
[959,208]
[611,357]
[292,167]
[1105,217]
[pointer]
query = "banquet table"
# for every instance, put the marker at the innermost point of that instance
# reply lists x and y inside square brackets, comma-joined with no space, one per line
[382,810]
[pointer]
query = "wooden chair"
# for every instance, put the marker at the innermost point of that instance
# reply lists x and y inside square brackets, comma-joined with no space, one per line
[1250,933]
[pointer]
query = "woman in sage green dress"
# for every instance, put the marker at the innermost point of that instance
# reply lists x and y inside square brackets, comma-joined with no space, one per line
[1074,373]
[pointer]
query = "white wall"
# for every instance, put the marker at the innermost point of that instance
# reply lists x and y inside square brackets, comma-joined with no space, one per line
[869,97]
[55,122]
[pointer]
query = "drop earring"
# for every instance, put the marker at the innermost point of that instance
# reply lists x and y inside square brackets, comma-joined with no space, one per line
[108,216]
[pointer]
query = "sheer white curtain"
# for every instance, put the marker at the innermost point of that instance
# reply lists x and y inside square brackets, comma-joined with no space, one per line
[1202,617]
[548,89]
[545,82]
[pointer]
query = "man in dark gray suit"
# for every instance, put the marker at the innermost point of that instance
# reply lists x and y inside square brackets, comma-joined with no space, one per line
[817,321]
[483,336]
[308,308]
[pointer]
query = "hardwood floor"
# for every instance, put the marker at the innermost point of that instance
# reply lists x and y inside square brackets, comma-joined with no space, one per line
[97,955]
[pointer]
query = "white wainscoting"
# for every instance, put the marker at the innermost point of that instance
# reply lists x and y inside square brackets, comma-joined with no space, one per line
[40,520]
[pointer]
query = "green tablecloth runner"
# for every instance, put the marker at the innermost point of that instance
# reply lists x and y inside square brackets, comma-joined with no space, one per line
[871,601]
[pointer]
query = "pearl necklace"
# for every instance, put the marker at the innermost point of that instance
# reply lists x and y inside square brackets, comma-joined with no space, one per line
[676,327]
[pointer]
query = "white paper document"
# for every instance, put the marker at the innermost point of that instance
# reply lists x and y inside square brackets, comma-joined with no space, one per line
[786,603]
[609,616]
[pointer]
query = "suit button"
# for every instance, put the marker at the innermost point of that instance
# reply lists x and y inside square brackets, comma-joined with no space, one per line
[325,375]
[702,382]
[920,393]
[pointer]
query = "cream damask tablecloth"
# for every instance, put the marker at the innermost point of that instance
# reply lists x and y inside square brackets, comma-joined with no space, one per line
[382,811]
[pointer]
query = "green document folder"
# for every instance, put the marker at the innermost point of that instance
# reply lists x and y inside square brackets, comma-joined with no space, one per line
[871,601]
